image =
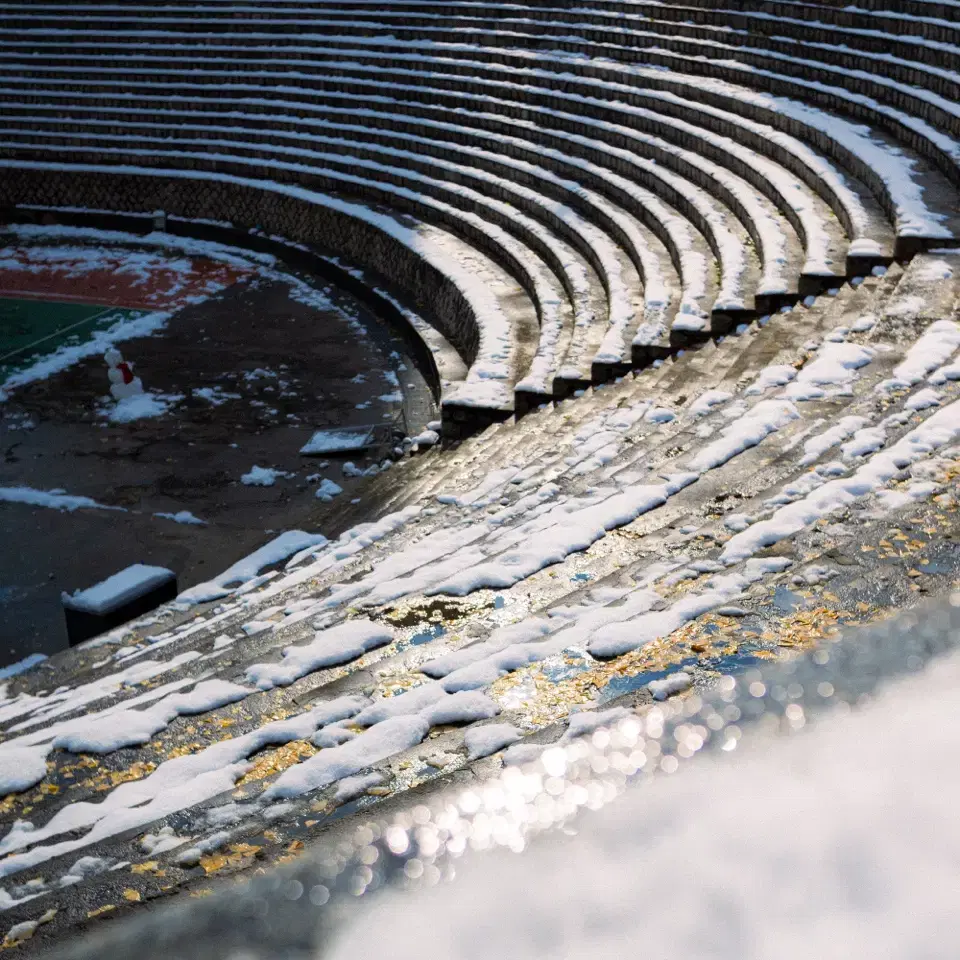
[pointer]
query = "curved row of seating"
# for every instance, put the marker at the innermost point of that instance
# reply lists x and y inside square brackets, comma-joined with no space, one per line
[620,179]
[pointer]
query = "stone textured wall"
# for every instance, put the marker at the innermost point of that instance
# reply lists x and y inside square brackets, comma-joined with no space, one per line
[275,213]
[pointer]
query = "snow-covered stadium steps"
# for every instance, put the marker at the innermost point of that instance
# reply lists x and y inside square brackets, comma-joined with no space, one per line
[595,276]
[663,465]
[752,383]
[539,451]
[722,73]
[863,224]
[601,443]
[594,374]
[758,469]
[645,252]
[642,162]
[916,21]
[553,20]
[669,392]
[897,178]
[847,51]
[742,277]
[767,351]
[790,53]
[574,155]
[509,238]
[745,466]
[858,105]
[606,510]
[821,244]
[832,134]
[841,435]
[169,860]
[632,554]
[721,369]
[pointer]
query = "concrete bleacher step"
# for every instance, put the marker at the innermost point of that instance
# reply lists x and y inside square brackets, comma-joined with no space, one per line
[728,367]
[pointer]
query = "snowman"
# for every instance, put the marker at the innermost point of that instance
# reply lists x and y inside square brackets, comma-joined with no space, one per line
[123,383]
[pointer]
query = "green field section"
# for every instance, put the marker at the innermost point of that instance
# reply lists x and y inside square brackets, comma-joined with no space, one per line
[30,329]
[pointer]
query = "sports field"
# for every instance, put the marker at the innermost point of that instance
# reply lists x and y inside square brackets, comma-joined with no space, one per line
[31,328]
[60,295]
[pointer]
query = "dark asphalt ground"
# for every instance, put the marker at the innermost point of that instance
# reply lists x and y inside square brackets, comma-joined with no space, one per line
[318,370]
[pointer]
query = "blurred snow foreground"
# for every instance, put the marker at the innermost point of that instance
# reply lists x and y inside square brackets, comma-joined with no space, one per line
[808,810]
[843,842]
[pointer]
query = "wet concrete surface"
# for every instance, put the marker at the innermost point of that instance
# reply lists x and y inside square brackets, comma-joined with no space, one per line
[270,369]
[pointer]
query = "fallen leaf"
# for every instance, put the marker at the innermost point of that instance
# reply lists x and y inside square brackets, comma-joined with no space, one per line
[106,908]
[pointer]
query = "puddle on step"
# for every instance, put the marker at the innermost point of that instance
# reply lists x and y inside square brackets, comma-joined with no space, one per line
[437,610]
[618,686]
[425,636]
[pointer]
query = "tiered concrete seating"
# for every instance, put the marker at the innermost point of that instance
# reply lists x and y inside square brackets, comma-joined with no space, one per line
[712,267]
[621,180]
[560,560]
[697,260]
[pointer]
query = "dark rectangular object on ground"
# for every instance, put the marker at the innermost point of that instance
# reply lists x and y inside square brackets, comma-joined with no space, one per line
[128,594]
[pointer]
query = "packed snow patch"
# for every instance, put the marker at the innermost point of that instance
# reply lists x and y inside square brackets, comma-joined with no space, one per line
[349,788]
[344,440]
[53,499]
[141,406]
[182,516]
[668,686]
[327,490]
[262,476]
[339,644]
[279,549]
[118,589]
[381,741]
[486,740]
